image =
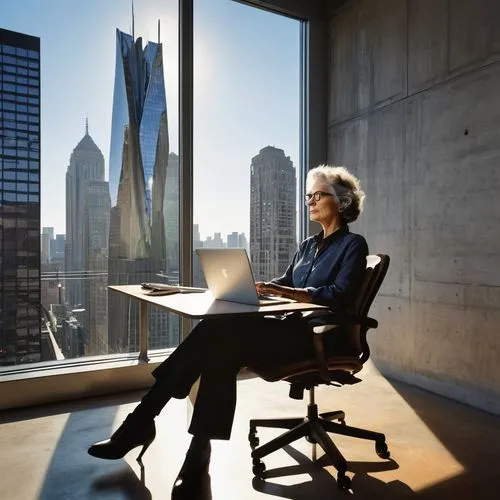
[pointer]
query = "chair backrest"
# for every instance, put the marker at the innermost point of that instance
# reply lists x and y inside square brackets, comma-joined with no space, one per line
[306,372]
[376,269]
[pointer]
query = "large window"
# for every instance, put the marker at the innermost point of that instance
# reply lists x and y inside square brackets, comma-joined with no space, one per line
[91,161]
[246,133]
[88,174]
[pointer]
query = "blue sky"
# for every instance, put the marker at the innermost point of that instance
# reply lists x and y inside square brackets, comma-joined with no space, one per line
[246,91]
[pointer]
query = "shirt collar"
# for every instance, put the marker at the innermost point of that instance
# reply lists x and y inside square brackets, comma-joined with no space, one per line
[320,241]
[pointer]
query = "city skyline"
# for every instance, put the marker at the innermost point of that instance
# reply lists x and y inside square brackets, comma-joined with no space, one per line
[235,116]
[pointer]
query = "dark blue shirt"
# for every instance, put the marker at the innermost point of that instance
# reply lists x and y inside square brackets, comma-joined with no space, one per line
[330,268]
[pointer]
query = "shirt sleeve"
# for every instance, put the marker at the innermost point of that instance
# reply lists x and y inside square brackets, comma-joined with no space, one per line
[340,294]
[287,278]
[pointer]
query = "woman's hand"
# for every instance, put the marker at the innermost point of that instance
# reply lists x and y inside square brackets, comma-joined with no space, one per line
[267,288]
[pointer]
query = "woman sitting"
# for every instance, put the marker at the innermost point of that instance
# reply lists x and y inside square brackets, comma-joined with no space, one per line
[327,269]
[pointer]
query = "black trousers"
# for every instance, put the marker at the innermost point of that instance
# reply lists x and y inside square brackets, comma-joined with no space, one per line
[215,350]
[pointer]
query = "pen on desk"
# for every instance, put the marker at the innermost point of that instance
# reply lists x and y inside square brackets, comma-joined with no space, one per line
[170,292]
[161,292]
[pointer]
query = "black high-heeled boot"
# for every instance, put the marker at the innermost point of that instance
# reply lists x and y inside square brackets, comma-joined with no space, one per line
[133,432]
[194,470]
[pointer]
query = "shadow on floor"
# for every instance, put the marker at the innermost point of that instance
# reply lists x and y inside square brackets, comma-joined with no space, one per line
[123,481]
[323,485]
[128,484]
[471,436]
[70,461]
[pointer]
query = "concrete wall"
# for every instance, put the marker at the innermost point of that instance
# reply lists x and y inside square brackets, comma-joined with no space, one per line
[414,111]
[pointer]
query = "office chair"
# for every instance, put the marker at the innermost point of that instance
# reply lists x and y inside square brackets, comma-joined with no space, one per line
[332,369]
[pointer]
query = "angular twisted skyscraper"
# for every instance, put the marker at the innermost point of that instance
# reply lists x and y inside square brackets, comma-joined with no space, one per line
[137,181]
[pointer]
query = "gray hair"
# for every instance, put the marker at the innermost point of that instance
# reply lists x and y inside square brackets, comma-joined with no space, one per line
[347,188]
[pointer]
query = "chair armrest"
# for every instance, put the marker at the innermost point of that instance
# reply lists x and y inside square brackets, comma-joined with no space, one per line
[332,319]
[342,319]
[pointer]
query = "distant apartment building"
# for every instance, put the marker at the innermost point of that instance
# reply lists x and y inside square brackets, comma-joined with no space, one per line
[47,237]
[273,206]
[86,250]
[214,242]
[49,231]
[20,249]
[242,241]
[196,236]
[232,240]
[45,249]
[237,240]
[57,250]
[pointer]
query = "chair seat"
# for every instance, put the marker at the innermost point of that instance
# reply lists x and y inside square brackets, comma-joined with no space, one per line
[307,369]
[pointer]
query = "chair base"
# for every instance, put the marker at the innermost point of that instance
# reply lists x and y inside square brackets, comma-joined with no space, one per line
[315,429]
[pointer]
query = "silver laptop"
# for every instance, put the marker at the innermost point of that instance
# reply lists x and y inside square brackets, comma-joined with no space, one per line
[229,276]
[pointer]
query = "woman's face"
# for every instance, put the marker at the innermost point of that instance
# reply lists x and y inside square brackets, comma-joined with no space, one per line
[324,210]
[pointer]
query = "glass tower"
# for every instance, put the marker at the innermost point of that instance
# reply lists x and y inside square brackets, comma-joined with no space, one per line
[138,171]
[20,335]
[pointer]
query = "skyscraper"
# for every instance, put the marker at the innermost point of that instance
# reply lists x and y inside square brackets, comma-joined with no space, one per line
[57,249]
[20,336]
[273,206]
[47,237]
[139,178]
[86,250]
[45,249]
[232,240]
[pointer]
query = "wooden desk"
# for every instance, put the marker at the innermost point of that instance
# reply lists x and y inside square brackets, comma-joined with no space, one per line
[197,306]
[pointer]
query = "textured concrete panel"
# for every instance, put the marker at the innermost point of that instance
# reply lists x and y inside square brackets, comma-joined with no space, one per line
[367,56]
[457,344]
[349,82]
[474,32]
[387,185]
[427,43]
[457,180]
[347,145]
[457,294]
[430,168]
[392,342]
[372,149]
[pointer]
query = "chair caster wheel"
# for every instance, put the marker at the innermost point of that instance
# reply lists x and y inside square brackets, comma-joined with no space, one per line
[382,450]
[310,439]
[252,437]
[258,468]
[343,481]
[253,440]
[342,421]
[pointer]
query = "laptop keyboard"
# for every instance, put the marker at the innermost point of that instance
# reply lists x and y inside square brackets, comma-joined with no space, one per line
[265,300]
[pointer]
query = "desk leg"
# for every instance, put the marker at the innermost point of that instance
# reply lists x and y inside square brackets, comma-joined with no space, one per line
[143,331]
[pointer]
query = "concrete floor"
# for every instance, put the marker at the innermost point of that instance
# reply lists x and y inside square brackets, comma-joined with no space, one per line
[439,449]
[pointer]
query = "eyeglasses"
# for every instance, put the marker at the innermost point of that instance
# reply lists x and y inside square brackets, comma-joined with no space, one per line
[316,196]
